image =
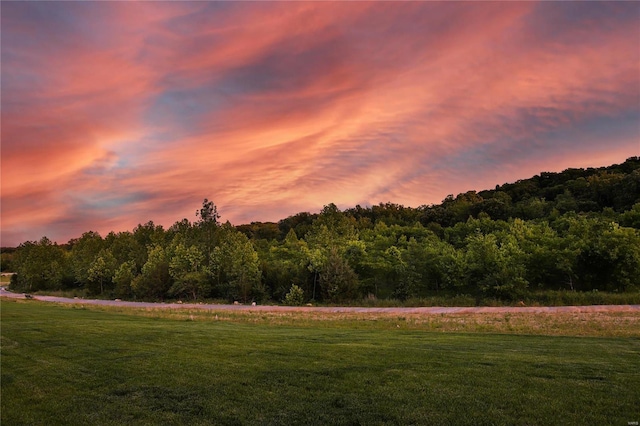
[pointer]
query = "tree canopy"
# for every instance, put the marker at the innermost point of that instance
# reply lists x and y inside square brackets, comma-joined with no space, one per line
[578,230]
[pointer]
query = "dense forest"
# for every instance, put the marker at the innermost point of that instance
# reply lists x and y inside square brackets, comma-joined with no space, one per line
[578,230]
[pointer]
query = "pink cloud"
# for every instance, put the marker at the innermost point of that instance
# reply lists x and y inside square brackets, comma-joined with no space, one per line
[270,108]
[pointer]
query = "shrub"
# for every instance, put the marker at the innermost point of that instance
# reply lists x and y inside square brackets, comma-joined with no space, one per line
[295,297]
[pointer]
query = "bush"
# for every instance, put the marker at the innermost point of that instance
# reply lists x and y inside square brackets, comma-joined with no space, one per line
[578,298]
[295,297]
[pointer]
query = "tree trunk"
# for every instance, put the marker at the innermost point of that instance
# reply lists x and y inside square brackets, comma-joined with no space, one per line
[315,277]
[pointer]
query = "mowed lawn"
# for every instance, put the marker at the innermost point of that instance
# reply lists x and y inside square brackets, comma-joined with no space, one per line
[73,366]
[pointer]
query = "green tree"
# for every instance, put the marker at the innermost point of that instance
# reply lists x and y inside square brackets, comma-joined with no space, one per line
[186,231]
[155,280]
[610,257]
[445,267]
[189,272]
[566,202]
[533,208]
[237,267]
[331,229]
[295,296]
[40,265]
[209,228]
[497,206]
[83,253]
[320,241]
[125,247]
[402,277]
[6,260]
[631,218]
[463,206]
[372,266]
[208,213]
[150,234]
[284,264]
[100,273]
[338,281]
[496,270]
[123,277]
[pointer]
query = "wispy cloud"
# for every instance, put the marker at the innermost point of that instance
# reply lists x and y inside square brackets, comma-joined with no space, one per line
[116,113]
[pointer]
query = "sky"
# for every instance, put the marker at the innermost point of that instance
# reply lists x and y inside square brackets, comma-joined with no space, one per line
[117,113]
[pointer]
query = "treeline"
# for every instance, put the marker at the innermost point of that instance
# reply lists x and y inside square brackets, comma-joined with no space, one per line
[578,230]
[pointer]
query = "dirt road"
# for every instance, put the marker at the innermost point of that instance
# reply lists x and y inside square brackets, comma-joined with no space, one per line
[324,309]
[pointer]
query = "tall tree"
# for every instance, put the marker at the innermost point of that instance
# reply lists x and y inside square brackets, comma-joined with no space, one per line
[83,253]
[208,225]
[40,265]
[123,277]
[155,280]
[337,279]
[189,272]
[495,269]
[208,213]
[100,273]
[237,267]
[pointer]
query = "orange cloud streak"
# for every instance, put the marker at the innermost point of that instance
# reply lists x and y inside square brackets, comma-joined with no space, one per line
[270,109]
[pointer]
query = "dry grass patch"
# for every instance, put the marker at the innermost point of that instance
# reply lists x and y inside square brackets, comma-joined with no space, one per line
[594,324]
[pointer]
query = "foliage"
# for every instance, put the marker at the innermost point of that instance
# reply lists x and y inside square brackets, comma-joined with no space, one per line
[189,272]
[84,252]
[123,277]
[7,255]
[283,264]
[40,265]
[208,213]
[338,281]
[295,297]
[237,267]
[154,280]
[101,271]
[578,230]
[495,269]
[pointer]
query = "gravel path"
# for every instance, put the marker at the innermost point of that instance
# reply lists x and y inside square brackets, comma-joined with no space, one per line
[269,308]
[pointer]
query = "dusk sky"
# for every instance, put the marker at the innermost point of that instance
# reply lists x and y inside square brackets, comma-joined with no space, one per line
[117,113]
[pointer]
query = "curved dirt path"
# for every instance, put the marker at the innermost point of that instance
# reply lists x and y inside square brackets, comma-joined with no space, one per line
[325,309]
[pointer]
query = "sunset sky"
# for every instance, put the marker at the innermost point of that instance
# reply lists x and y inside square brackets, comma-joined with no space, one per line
[117,113]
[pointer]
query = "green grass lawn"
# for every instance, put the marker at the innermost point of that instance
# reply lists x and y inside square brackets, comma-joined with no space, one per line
[74,366]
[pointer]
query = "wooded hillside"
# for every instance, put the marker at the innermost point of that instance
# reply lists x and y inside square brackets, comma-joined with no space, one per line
[576,230]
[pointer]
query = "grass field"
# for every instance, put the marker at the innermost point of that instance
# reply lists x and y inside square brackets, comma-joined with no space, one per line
[77,365]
